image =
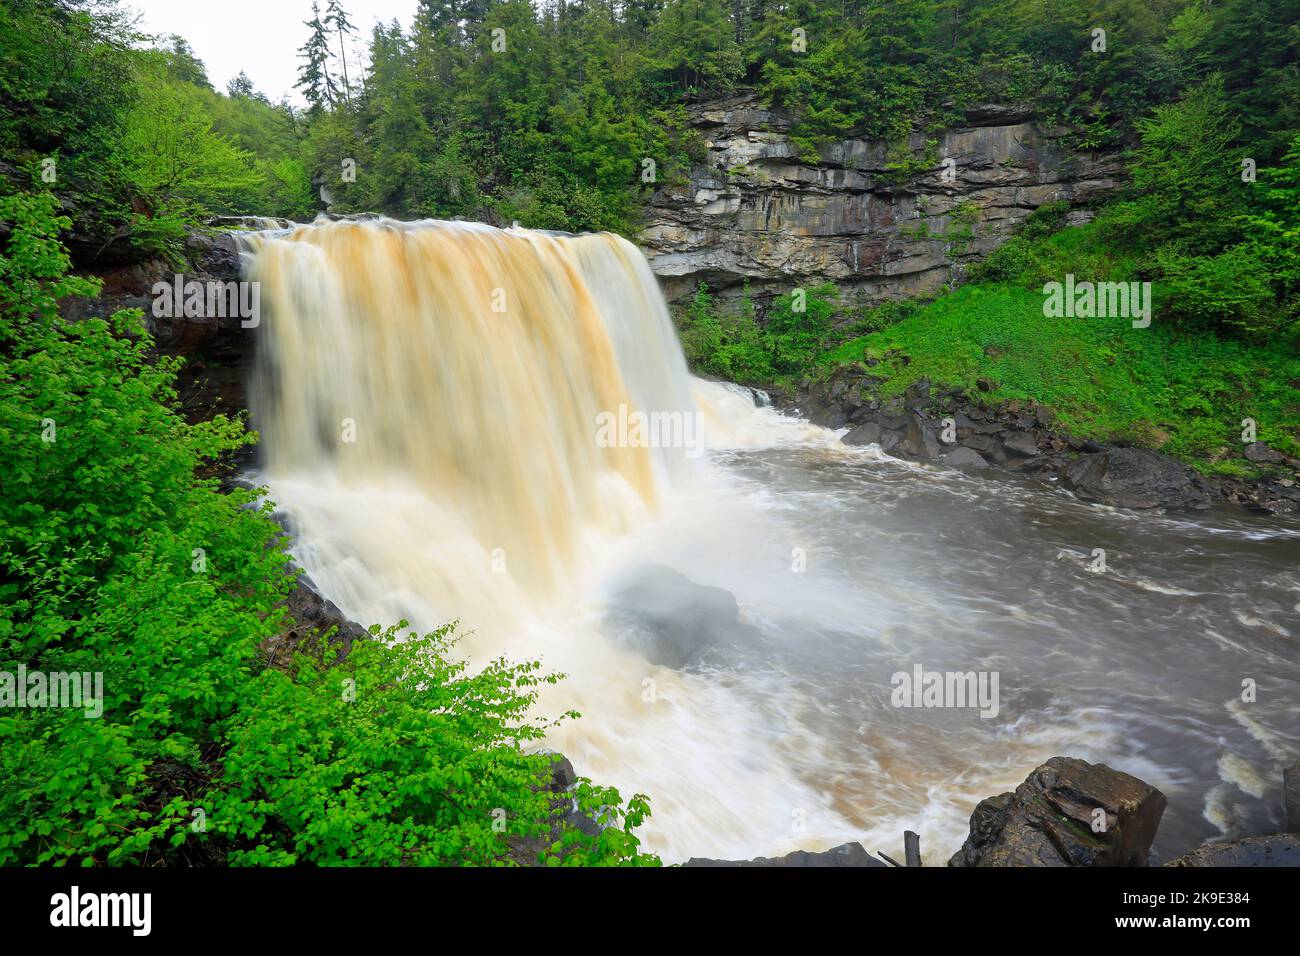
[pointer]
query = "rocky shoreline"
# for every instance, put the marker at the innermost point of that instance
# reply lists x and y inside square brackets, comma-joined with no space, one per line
[952,427]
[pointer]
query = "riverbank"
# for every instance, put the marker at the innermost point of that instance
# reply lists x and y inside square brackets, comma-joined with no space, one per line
[969,430]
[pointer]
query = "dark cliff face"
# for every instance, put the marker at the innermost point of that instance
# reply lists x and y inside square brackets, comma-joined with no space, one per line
[753,211]
[218,352]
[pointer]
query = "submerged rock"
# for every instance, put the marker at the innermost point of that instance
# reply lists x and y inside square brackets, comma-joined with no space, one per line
[672,621]
[1049,820]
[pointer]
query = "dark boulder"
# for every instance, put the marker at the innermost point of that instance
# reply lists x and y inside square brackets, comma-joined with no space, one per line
[868,433]
[890,442]
[984,444]
[1261,454]
[563,775]
[1049,820]
[965,459]
[1280,849]
[1020,443]
[847,854]
[313,617]
[919,441]
[1134,478]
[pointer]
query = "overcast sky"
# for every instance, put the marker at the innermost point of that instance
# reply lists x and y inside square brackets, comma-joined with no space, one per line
[260,37]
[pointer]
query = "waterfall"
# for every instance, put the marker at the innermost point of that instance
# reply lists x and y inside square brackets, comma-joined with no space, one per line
[483,425]
[473,363]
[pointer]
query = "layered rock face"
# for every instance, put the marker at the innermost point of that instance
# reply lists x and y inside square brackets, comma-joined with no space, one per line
[754,212]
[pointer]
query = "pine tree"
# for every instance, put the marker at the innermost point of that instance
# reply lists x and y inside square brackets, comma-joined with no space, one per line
[337,18]
[313,76]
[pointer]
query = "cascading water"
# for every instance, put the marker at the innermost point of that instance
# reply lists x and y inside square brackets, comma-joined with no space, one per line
[430,397]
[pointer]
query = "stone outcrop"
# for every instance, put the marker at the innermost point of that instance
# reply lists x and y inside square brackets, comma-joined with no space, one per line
[753,210]
[1134,478]
[1067,813]
[218,352]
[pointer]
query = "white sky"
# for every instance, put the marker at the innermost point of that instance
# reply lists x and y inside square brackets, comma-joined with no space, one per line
[260,37]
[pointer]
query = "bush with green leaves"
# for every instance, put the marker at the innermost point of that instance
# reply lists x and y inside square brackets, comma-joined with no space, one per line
[120,555]
[729,341]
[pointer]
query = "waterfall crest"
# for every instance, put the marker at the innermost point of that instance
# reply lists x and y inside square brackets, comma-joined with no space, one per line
[473,363]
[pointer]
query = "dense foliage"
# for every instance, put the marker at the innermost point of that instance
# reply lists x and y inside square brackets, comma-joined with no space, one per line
[120,555]
[547,112]
[118,558]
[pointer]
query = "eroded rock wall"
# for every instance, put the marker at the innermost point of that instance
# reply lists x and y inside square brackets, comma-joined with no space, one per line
[754,211]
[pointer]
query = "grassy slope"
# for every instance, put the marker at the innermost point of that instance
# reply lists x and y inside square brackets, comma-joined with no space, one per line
[1183,392]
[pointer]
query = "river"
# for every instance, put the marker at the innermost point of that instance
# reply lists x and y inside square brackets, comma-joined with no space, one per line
[473,366]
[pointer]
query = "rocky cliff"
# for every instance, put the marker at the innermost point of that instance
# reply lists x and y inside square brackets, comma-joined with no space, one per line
[753,211]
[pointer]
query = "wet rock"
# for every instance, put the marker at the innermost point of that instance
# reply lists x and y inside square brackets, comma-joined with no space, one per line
[889,442]
[919,441]
[984,444]
[313,618]
[1049,820]
[670,620]
[1018,436]
[563,775]
[847,854]
[1134,478]
[1280,849]
[965,459]
[868,433]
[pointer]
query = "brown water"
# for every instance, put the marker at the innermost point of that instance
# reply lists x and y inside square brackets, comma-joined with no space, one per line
[473,487]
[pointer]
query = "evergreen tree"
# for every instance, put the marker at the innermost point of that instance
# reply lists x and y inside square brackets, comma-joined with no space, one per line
[313,76]
[337,19]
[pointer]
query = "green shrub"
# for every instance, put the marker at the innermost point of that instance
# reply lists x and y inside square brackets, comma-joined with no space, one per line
[731,343]
[118,558]
[1231,289]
